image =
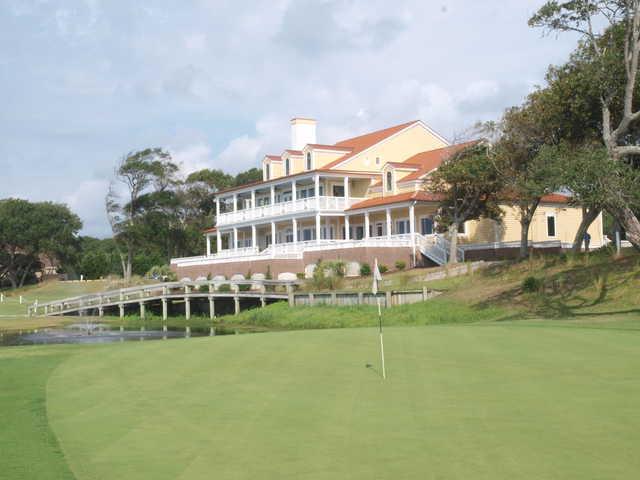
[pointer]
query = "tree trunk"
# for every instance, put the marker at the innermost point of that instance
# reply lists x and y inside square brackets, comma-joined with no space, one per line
[630,223]
[453,243]
[588,217]
[25,273]
[524,238]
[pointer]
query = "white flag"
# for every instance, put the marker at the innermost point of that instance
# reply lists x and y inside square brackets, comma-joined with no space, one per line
[376,277]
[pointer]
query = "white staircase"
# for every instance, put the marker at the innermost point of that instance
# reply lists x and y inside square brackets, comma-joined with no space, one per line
[436,248]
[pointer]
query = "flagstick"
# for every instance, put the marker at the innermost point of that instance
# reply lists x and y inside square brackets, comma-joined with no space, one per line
[384,372]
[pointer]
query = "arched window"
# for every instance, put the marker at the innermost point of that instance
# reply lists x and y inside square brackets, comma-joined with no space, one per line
[267,171]
[389,181]
[287,167]
[308,160]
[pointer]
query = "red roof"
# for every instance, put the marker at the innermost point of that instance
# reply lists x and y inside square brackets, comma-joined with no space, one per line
[556,198]
[399,198]
[358,144]
[277,158]
[209,230]
[294,152]
[329,147]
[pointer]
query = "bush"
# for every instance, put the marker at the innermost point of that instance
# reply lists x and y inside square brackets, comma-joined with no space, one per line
[365,270]
[400,265]
[531,284]
[225,287]
[328,275]
[383,269]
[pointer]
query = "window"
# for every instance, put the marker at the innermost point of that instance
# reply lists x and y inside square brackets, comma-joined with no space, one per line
[308,160]
[289,236]
[359,232]
[267,171]
[287,167]
[426,226]
[379,230]
[389,181]
[463,229]
[551,225]
[307,234]
[402,226]
[377,160]
[338,190]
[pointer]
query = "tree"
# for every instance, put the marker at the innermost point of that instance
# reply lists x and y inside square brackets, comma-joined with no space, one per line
[527,167]
[469,185]
[29,231]
[147,175]
[619,108]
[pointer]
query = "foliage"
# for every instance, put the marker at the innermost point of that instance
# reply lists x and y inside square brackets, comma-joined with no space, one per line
[365,270]
[469,185]
[531,284]
[328,275]
[31,231]
[400,265]
[383,268]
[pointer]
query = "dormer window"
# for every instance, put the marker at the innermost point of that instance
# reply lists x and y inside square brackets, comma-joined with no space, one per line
[308,160]
[287,167]
[389,181]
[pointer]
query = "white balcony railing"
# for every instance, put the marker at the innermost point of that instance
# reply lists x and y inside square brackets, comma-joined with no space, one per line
[296,250]
[338,204]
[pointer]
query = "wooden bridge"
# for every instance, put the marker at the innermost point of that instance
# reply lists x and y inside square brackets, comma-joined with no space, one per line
[166,294]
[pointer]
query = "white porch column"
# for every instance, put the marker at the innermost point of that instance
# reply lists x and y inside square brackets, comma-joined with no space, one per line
[273,233]
[235,238]
[316,181]
[273,194]
[318,227]
[208,245]
[366,224]
[217,207]
[254,236]
[412,219]
[235,202]
[218,241]
[294,194]
[294,225]
[347,235]
[253,199]
[388,211]
[346,189]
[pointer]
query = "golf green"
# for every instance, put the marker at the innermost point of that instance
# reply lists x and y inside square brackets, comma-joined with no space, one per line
[482,402]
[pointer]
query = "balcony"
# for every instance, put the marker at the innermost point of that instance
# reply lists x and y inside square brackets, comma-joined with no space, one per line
[310,204]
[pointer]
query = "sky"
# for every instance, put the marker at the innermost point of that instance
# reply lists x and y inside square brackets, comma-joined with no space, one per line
[84,82]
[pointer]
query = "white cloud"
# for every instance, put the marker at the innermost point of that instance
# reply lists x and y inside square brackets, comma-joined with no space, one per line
[88,201]
[192,158]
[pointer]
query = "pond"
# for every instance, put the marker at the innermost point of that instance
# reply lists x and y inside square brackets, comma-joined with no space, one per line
[81,333]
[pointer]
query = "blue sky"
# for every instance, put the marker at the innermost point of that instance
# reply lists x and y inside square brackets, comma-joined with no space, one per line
[83,82]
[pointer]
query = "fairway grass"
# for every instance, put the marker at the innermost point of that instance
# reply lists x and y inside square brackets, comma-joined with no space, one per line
[484,401]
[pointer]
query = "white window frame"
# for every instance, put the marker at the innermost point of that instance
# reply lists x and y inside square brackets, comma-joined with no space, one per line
[405,221]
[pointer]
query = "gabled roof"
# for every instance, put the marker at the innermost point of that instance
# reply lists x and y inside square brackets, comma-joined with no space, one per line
[293,152]
[361,143]
[274,158]
[321,146]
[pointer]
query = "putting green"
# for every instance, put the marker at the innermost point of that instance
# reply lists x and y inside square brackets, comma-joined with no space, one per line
[481,402]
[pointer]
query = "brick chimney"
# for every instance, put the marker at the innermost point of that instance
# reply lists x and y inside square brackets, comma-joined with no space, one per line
[303,131]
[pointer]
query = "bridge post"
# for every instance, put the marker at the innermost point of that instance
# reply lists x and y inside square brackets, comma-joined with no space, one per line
[263,301]
[142,310]
[121,309]
[212,307]
[236,304]
[187,303]
[312,299]
[360,298]
[100,311]
[425,293]
[292,300]
[164,309]
[334,298]
[387,296]
[46,310]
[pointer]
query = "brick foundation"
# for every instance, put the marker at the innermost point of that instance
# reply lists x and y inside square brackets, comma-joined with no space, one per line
[386,256]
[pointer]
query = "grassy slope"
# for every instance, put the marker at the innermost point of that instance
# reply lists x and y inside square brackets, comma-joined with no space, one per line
[27,445]
[464,401]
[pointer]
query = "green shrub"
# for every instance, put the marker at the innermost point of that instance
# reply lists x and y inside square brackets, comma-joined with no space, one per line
[300,276]
[400,265]
[383,269]
[328,275]
[365,270]
[225,287]
[531,284]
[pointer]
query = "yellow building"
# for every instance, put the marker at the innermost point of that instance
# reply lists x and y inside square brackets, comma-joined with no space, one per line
[357,199]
